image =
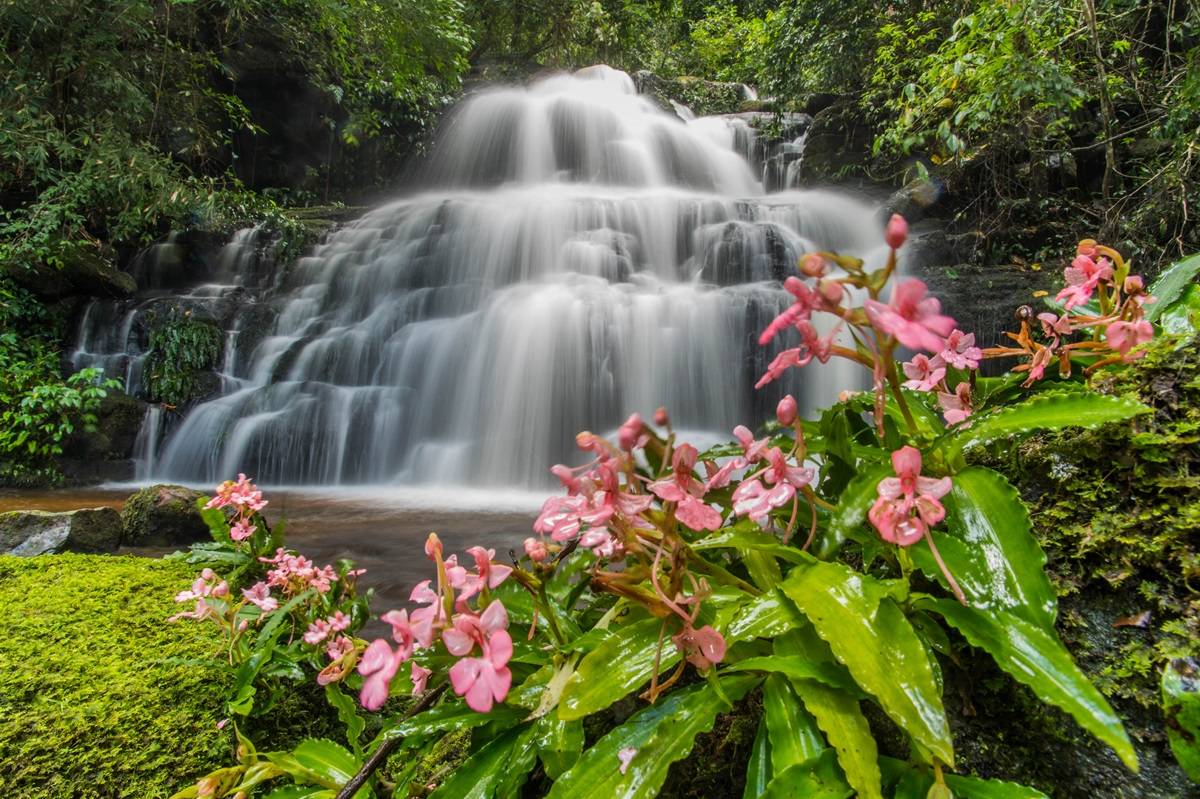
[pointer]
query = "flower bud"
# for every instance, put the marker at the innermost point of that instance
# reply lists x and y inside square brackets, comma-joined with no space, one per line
[221,589]
[661,418]
[813,265]
[897,232]
[846,395]
[536,549]
[786,411]
[1134,285]
[831,291]
[433,547]
[208,574]
[1088,247]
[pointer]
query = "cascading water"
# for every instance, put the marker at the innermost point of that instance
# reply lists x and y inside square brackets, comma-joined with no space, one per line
[580,254]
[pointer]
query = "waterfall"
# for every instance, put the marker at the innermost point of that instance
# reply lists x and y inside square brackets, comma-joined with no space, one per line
[576,254]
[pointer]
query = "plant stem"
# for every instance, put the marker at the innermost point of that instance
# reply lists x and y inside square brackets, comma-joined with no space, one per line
[389,745]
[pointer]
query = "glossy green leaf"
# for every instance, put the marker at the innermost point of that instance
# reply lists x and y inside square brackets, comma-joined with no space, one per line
[796,667]
[988,545]
[301,792]
[1036,657]
[1181,707]
[501,760]
[328,759]
[838,716]
[1171,285]
[758,770]
[852,507]
[1183,316]
[559,744]
[1052,410]
[658,735]
[621,663]
[870,636]
[794,736]
[763,617]
[818,778]
[914,782]
[450,717]
[751,539]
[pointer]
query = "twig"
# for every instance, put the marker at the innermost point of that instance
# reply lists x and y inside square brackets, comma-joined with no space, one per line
[389,745]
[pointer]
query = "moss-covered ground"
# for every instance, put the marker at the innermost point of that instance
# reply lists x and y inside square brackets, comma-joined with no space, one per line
[88,705]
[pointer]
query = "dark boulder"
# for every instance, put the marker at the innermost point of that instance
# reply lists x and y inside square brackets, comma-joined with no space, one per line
[35,532]
[163,515]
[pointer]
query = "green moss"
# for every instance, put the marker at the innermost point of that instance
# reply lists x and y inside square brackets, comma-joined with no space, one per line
[88,705]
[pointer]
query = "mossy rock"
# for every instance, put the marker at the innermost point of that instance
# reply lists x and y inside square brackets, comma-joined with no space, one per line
[163,515]
[37,532]
[90,703]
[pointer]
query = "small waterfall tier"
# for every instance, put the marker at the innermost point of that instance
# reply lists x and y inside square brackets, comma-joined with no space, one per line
[575,254]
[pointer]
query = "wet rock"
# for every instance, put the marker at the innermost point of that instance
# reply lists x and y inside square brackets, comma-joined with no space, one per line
[34,532]
[838,142]
[163,515]
[915,198]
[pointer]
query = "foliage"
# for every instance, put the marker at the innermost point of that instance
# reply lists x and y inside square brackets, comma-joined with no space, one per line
[182,347]
[39,409]
[119,120]
[728,45]
[691,592]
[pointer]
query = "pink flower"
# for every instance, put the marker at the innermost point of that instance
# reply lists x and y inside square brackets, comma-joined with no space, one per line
[782,472]
[339,647]
[956,407]
[317,632]
[924,373]
[296,573]
[753,499]
[260,596]
[752,449]
[424,620]
[960,350]
[787,410]
[910,316]
[661,417]
[1124,336]
[490,573]
[686,491]
[897,232]
[420,678]
[487,679]
[813,346]
[632,433]
[242,530]
[806,302]
[402,631]
[243,495]
[908,504]
[702,648]
[1054,326]
[378,666]
[339,621]
[1082,276]
[1037,366]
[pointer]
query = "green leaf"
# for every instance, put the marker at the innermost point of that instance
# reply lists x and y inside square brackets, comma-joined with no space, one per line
[621,663]
[332,762]
[916,781]
[749,539]
[1051,410]
[484,772]
[1181,707]
[763,617]
[347,711]
[1183,316]
[852,507]
[870,635]
[838,715]
[559,744]
[1171,285]
[818,778]
[758,770]
[797,667]
[450,717]
[301,792]
[1036,658]
[659,735]
[794,737]
[989,548]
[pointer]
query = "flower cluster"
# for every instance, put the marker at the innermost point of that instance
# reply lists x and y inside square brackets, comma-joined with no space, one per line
[246,500]
[447,615]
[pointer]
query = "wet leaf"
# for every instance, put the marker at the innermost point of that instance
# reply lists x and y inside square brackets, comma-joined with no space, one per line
[1181,706]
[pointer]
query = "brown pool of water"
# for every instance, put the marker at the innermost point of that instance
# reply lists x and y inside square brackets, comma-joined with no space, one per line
[383,532]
